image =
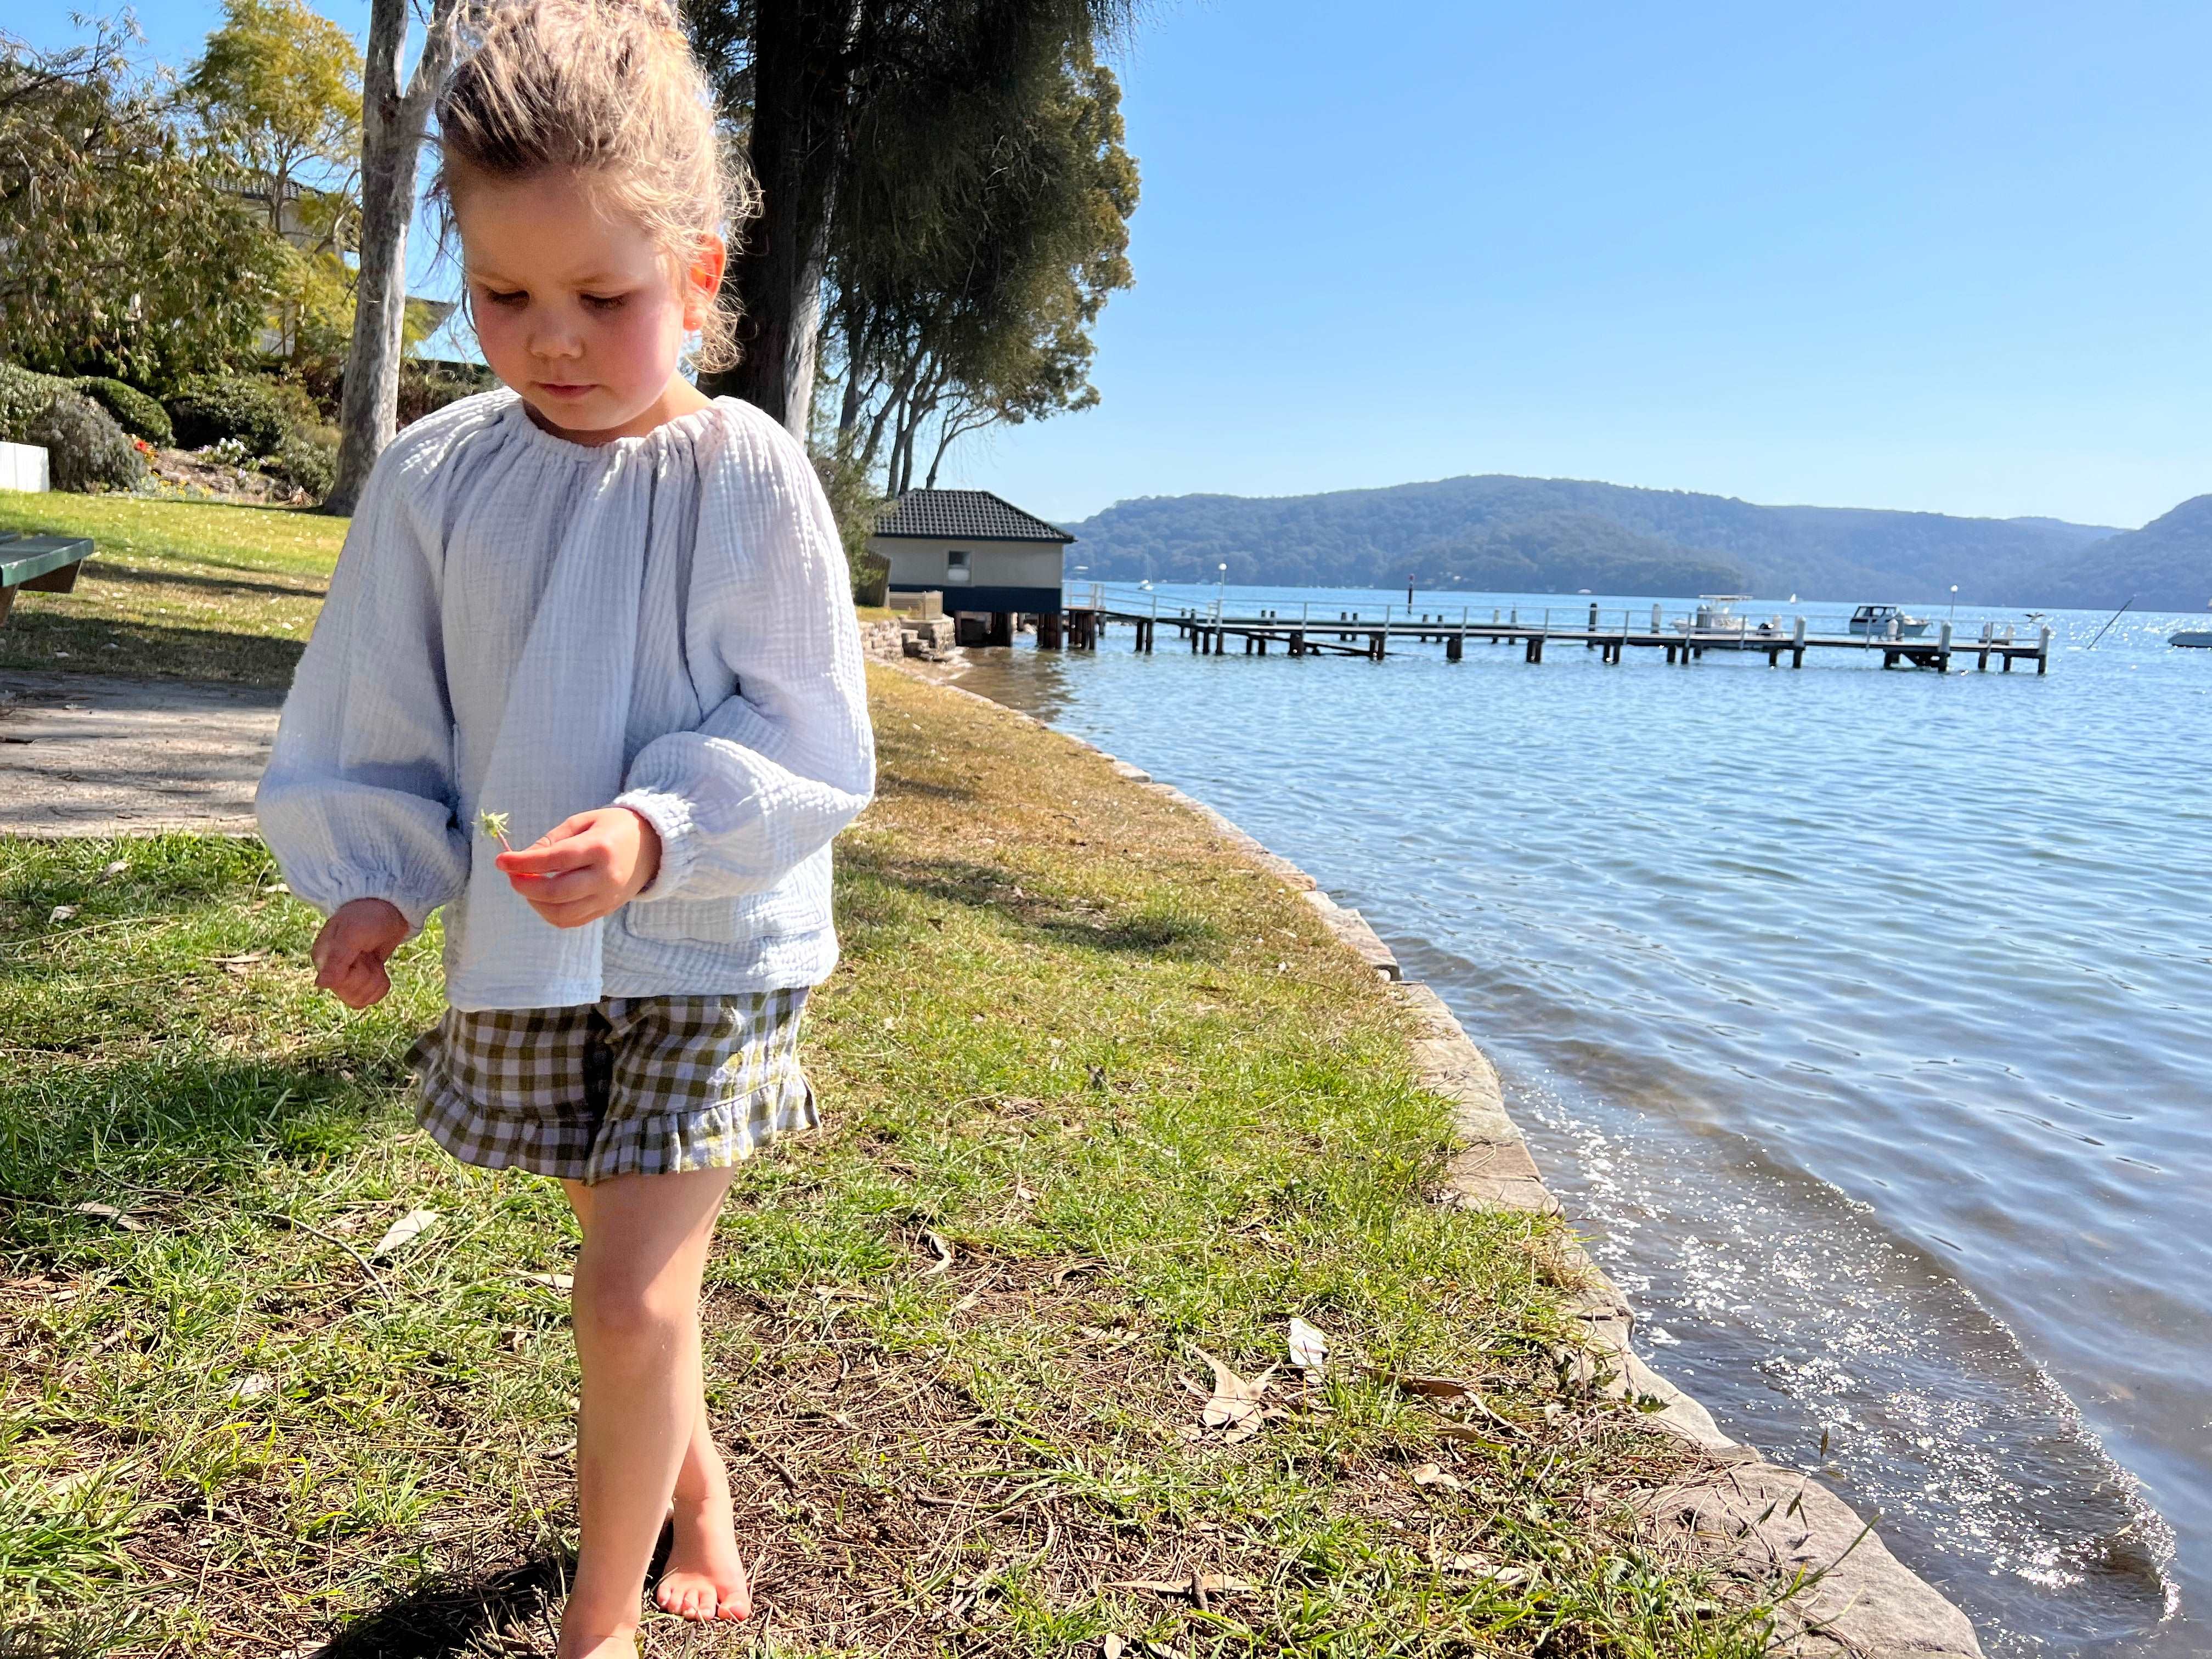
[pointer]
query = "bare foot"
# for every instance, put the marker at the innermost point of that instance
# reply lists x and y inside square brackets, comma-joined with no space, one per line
[705,1577]
[615,1645]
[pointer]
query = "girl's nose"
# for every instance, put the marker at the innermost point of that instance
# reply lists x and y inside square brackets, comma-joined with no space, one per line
[554,343]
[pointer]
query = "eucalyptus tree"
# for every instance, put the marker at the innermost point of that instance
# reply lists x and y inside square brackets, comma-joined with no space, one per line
[805,82]
[395,112]
[978,310]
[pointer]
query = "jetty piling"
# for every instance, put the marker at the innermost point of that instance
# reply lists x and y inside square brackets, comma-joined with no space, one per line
[1680,638]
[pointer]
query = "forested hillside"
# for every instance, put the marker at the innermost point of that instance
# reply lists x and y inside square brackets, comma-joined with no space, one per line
[2164,566]
[1556,535]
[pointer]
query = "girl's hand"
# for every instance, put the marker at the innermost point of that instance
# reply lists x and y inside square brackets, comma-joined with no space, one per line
[350,952]
[586,866]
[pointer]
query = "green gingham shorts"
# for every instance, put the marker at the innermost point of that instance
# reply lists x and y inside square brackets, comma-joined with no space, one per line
[626,1085]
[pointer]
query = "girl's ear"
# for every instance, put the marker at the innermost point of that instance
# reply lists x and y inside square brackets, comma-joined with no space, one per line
[704,281]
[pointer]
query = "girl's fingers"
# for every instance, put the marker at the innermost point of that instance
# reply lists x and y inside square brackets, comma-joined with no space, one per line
[546,858]
[563,887]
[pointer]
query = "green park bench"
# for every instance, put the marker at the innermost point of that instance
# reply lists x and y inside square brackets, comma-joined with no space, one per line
[43,564]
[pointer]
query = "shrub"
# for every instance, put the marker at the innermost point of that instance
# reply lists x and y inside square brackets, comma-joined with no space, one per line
[85,449]
[208,407]
[305,460]
[134,412]
[23,397]
[426,387]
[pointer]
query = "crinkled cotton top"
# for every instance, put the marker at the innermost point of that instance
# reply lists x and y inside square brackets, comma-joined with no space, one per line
[525,625]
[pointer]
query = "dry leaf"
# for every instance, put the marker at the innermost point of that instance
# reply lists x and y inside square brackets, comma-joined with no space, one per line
[62,913]
[1236,1402]
[1309,1349]
[252,1384]
[551,1281]
[240,963]
[1113,1647]
[109,1213]
[1432,1387]
[943,1251]
[1212,1583]
[1432,1474]
[1082,1264]
[117,868]
[403,1232]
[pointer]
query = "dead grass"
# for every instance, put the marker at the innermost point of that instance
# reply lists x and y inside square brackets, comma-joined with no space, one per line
[1103,1100]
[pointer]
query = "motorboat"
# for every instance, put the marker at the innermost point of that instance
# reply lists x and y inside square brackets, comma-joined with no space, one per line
[1716,614]
[1717,625]
[2201,638]
[1886,621]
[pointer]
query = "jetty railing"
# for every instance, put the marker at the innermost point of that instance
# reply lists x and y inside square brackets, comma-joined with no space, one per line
[1684,635]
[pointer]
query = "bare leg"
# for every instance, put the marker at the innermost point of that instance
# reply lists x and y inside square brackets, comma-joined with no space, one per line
[636,1317]
[704,1576]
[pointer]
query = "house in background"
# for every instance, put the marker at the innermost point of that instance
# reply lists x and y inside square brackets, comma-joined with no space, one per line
[992,561]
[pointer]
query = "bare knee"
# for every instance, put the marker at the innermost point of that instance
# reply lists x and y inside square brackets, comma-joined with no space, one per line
[615,1310]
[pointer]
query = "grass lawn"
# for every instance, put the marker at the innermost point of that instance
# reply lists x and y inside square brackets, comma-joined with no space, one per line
[196,589]
[1102,1101]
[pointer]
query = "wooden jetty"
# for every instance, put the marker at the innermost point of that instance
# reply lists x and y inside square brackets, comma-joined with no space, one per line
[1680,637]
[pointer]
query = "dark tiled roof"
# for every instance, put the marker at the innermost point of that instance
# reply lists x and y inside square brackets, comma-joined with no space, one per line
[964,516]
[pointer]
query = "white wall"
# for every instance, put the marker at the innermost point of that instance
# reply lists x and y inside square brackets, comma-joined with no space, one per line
[919,563]
[22,466]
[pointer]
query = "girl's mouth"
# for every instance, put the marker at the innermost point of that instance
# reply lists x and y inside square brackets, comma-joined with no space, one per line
[563,389]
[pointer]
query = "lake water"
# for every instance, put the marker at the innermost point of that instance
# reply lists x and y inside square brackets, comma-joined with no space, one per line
[1863,1018]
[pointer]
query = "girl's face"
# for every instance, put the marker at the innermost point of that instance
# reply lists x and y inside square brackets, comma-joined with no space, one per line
[578,309]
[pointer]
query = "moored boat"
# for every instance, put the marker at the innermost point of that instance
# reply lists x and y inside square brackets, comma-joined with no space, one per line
[1886,621]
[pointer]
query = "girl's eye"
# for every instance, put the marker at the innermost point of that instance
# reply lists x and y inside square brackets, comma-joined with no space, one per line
[604,301]
[514,298]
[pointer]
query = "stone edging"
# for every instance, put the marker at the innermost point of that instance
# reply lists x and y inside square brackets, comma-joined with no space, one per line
[1860,1601]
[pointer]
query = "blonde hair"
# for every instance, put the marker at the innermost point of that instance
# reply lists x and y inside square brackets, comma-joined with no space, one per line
[609,89]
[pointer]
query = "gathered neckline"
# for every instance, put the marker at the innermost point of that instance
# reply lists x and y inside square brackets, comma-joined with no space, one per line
[517,414]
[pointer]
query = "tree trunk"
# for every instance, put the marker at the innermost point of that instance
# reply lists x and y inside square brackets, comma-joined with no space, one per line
[391,141]
[802,76]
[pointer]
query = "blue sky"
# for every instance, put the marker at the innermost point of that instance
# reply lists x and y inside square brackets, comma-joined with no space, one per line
[1952,258]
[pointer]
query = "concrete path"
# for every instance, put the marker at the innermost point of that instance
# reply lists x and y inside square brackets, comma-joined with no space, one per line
[101,755]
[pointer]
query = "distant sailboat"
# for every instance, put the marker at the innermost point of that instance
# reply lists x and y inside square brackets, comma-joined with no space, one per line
[2199,637]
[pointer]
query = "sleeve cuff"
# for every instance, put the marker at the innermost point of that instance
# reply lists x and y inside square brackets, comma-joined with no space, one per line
[670,814]
[416,907]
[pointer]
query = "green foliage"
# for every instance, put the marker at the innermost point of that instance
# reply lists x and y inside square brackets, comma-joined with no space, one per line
[278,95]
[128,253]
[210,408]
[24,396]
[982,226]
[85,448]
[855,501]
[425,387]
[305,460]
[279,88]
[134,412]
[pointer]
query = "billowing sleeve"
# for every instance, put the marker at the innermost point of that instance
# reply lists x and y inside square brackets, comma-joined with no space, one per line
[787,759]
[357,801]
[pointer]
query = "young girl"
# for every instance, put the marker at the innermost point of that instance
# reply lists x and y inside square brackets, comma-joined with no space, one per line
[617,614]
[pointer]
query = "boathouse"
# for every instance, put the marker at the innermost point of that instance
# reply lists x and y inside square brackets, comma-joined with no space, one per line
[992,561]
